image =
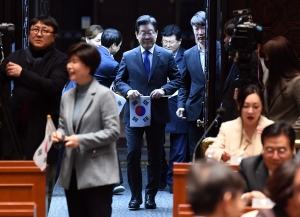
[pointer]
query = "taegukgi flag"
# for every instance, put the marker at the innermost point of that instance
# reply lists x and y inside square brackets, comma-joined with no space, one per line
[120,102]
[40,155]
[140,111]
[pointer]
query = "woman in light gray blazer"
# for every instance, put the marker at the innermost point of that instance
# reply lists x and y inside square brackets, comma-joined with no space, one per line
[89,128]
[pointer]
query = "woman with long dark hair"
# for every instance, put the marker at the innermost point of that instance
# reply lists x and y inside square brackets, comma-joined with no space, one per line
[283,83]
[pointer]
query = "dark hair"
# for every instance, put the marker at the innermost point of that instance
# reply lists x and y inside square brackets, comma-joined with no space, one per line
[170,30]
[47,20]
[87,54]
[283,62]
[111,36]
[212,180]
[199,19]
[244,92]
[277,129]
[230,25]
[92,32]
[279,186]
[144,20]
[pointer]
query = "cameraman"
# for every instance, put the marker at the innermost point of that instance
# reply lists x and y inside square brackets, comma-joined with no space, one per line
[231,83]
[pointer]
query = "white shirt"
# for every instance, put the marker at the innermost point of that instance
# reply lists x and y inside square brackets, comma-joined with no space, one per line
[202,59]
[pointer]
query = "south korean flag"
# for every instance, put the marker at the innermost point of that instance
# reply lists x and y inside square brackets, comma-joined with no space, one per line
[140,111]
[120,102]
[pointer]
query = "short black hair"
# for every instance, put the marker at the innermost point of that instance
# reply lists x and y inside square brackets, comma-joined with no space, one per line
[245,91]
[87,54]
[277,129]
[170,30]
[212,180]
[144,20]
[111,36]
[47,20]
[199,19]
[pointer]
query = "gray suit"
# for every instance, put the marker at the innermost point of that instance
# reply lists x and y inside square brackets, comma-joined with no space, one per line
[97,128]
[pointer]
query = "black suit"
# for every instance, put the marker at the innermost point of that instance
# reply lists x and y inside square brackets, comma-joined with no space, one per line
[254,172]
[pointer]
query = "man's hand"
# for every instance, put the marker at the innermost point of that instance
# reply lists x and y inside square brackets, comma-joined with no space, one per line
[247,197]
[226,156]
[13,70]
[157,93]
[235,94]
[134,94]
[71,141]
[180,113]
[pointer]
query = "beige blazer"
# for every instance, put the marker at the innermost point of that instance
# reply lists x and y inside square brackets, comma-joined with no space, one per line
[230,136]
[286,107]
[98,128]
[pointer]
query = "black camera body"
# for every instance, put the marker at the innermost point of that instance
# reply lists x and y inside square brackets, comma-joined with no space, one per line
[246,35]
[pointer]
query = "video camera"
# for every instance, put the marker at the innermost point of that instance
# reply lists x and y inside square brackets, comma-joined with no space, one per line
[246,35]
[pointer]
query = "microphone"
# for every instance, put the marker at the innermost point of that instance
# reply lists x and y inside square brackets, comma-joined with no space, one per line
[220,112]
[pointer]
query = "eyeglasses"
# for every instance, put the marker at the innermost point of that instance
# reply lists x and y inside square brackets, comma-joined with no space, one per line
[43,32]
[198,28]
[168,42]
[271,151]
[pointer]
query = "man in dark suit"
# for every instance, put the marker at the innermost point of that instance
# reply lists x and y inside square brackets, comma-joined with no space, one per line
[111,41]
[171,40]
[145,70]
[191,94]
[278,141]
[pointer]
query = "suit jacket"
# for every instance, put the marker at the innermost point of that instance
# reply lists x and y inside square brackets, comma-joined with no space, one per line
[285,104]
[97,128]
[132,76]
[108,68]
[192,91]
[254,172]
[42,89]
[176,125]
[230,136]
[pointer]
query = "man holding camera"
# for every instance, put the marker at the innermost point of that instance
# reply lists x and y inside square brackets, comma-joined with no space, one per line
[235,78]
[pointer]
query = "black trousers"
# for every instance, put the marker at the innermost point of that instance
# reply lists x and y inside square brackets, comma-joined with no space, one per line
[194,134]
[155,135]
[90,202]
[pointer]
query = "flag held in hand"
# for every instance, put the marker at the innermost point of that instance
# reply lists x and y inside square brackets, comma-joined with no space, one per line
[40,155]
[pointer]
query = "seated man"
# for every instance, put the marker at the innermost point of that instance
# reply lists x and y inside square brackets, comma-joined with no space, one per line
[214,190]
[278,141]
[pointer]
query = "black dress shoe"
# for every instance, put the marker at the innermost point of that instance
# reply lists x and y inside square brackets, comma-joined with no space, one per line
[150,202]
[135,202]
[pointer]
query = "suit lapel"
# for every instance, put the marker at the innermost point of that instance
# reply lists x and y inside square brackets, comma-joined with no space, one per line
[155,59]
[235,138]
[262,175]
[179,54]
[139,61]
[197,60]
[88,99]
[277,93]
[69,108]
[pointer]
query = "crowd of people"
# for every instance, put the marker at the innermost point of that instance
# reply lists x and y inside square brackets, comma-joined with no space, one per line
[78,91]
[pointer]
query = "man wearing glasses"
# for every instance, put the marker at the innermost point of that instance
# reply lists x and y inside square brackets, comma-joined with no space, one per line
[278,141]
[39,74]
[144,71]
[171,40]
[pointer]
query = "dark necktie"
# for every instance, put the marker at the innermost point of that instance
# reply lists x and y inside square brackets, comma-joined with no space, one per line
[147,62]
